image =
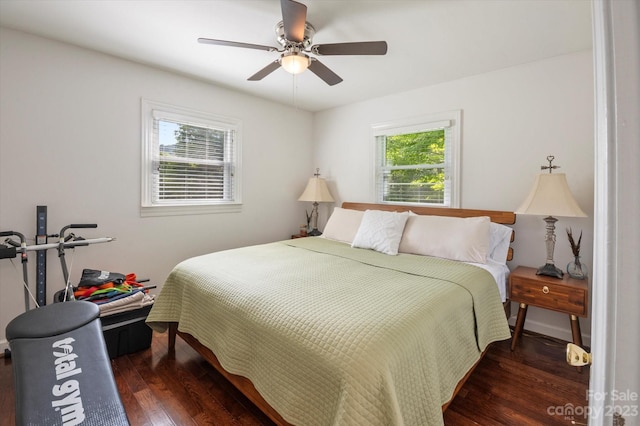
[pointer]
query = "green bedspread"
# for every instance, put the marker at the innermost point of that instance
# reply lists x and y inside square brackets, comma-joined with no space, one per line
[331,335]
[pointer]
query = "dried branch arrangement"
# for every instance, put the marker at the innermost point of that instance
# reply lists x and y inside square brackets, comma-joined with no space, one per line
[575,248]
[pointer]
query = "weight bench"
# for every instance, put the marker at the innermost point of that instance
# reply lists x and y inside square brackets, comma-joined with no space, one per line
[61,368]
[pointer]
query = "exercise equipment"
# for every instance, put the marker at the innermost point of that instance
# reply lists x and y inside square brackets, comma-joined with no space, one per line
[41,256]
[61,367]
[12,248]
[10,251]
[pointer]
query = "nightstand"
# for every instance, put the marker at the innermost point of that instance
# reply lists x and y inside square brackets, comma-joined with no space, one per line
[566,295]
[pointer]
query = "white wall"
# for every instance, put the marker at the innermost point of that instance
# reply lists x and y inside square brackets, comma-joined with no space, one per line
[511,120]
[70,139]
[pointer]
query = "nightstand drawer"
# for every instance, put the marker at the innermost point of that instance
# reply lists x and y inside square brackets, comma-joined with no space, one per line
[548,295]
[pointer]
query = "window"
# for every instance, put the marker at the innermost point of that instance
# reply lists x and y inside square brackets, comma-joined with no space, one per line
[190,161]
[417,161]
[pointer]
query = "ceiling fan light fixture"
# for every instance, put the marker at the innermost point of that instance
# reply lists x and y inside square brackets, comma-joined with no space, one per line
[295,62]
[295,35]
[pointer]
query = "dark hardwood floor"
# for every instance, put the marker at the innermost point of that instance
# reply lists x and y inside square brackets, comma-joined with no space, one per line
[532,385]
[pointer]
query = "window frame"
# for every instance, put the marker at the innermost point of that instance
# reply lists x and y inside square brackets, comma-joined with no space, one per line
[448,120]
[151,111]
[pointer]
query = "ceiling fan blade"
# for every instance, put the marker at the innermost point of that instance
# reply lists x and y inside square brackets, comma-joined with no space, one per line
[321,70]
[236,44]
[265,71]
[356,48]
[294,16]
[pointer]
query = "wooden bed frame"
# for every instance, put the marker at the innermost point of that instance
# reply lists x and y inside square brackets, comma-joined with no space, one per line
[245,386]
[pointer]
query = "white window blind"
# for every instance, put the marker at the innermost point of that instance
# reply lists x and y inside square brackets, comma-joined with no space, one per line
[190,161]
[416,161]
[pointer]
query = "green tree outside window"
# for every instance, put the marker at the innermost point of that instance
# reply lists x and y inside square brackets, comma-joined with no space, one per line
[414,167]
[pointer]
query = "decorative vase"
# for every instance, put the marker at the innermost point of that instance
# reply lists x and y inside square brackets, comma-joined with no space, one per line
[577,269]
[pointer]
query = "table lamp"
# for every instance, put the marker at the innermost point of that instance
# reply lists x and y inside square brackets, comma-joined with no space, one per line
[550,196]
[316,192]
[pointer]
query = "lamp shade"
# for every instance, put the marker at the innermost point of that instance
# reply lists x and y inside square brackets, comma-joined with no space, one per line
[551,196]
[316,191]
[294,62]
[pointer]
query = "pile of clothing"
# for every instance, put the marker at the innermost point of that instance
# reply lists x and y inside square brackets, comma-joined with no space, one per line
[113,292]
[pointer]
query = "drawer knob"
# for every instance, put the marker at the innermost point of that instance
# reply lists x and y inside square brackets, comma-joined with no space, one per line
[545,289]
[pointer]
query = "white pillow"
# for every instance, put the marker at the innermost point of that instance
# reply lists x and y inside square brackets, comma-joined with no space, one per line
[500,238]
[343,224]
[380,231]
[463,239]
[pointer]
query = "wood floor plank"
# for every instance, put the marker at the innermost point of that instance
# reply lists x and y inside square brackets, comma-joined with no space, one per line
[129,373]
[7,395]
[454,418]
[501,405]
[158,387]
[135,412]
[153,408]
[185,398]
[179,409]
[520,387]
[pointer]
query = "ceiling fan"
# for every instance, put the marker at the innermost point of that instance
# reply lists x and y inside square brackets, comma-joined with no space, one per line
[295,35]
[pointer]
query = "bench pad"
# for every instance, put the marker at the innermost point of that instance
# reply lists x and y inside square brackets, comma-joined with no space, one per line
[62,371]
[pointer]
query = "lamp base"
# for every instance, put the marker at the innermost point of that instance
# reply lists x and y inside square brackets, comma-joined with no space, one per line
[314,232]
[551,270]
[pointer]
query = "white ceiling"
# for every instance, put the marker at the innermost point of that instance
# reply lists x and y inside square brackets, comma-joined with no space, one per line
[430,41]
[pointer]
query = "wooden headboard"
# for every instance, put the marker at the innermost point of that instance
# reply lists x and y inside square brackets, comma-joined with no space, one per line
[497,216]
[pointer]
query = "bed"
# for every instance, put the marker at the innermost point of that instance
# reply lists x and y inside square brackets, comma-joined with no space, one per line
[317,332]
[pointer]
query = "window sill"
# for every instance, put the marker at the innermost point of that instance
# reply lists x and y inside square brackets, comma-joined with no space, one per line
[154,211]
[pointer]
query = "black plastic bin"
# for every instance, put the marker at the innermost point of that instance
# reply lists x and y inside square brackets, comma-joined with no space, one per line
[127,332]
